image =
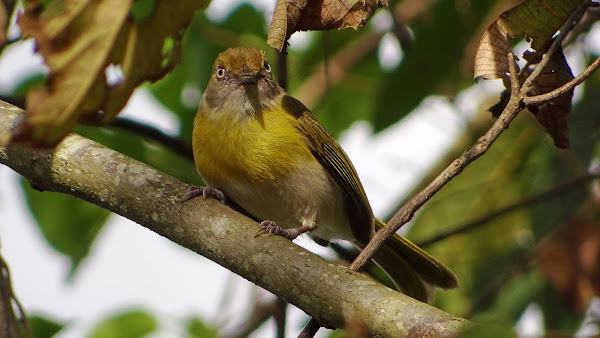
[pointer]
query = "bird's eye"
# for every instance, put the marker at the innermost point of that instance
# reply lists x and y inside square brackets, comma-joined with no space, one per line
[220,73]
[267,67]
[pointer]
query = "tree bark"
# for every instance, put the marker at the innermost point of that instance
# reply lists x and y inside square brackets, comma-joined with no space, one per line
[326,291]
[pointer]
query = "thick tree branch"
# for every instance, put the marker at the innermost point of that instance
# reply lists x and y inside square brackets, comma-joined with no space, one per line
[328,292]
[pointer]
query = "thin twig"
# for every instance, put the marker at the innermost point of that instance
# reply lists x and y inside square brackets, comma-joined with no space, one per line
[310,330]
[174,144]
[535,100]
[514,106]
[564,31]
[532,199]
[279,316]
[492,291]
[406,213]
[259,314]
[514,77]
[9,321]
[282,67]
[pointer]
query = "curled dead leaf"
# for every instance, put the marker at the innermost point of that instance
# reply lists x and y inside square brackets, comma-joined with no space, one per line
[552,115]
[491,60]
[538,20]
[79,40]
[299,15]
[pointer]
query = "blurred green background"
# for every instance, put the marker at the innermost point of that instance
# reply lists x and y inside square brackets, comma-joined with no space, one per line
[546,252]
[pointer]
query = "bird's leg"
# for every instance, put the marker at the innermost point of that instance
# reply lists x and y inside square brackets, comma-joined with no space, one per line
[207,191]
[271,228]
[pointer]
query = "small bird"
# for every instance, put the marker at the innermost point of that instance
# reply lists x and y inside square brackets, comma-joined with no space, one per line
[264,150]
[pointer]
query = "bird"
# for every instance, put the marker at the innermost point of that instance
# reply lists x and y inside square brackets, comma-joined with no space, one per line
[262,149]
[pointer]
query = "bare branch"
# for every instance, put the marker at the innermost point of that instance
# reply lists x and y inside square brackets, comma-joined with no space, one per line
[175,144]
[564,31]
[529,200]
[10,325]
[535,100]
[514,76]
[310,330]
[258,315]
[514,106]
[326,291]
[280,316]
[407,212]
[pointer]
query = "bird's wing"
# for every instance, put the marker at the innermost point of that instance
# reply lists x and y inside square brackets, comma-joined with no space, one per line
[333,158]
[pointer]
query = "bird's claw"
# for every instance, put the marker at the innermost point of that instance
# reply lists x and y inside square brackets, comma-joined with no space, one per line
[207,191]
[271,228]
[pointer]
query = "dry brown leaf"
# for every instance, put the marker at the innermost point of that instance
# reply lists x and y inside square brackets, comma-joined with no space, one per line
[553,114]
[299,15]
[491,61]
[572,264]
[538,20]
[79,39]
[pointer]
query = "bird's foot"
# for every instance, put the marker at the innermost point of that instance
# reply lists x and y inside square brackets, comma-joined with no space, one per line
[207,191]
[271,228]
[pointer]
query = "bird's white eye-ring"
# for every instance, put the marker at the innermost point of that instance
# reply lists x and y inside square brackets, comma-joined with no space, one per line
[267,67]
[220,72]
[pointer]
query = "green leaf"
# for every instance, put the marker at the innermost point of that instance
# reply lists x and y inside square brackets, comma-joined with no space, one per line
[35,80]
[339,333]
[196,328]
[43,327]
[142,9]
[131,324]
[69,224]
[489,327]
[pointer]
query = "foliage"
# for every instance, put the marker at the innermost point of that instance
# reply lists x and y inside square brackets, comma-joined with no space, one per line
[503,265]
[130,324]
[43,327]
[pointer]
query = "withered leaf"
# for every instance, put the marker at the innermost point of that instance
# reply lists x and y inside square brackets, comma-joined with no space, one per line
[553,114]
[491,61]
[299,15]
[571,264]
[79,39]
[538,20]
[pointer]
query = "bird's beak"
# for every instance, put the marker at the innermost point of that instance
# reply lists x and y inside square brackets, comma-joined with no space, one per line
[248,79]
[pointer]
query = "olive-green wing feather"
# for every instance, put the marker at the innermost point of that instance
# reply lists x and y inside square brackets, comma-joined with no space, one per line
[430,269]
[333,158]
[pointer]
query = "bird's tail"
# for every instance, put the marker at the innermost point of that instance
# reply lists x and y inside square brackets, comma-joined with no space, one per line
[413,270]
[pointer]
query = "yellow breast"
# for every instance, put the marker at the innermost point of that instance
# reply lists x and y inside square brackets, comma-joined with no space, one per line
[253,150]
